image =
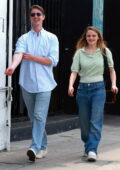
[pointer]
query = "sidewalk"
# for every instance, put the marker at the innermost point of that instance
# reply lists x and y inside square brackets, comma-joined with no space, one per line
[65,151]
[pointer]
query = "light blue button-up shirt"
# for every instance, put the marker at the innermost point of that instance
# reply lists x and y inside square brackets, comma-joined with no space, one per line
[35,77]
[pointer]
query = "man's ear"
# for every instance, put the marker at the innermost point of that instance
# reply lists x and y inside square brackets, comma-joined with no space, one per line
[44,17]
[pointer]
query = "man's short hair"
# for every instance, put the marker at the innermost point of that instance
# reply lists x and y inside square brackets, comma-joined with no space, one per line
[37,7]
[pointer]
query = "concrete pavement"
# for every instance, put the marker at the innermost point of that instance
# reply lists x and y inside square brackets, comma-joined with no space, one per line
[65,151]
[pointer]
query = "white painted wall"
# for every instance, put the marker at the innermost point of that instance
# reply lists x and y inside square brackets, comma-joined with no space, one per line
[4,102]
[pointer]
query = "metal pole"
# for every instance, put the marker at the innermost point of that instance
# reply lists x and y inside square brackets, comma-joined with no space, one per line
[9,62]
[97,20]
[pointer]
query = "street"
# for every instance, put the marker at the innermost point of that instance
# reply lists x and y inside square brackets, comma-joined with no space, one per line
[65,152]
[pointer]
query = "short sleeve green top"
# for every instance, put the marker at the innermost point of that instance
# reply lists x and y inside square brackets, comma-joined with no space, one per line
[90,67]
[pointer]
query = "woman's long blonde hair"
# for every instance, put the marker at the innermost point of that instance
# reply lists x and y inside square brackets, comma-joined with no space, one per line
[82,42]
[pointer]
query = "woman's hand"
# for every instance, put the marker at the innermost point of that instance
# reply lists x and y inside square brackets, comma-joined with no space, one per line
[114,89]
[71,83]
[71,91]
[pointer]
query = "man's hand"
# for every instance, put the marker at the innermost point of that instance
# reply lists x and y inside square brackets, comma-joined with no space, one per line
[28,56]
[9,71]
[17,58]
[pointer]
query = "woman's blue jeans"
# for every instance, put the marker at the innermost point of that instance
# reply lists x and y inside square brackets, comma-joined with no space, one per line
[37,105]
[90,100]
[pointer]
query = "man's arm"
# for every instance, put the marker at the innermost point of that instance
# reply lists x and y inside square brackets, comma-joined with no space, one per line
[41,60]
[17,58]
[53,57]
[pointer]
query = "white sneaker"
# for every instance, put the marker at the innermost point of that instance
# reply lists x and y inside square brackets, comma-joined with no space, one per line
[31,154]
[41,154]
[92,157]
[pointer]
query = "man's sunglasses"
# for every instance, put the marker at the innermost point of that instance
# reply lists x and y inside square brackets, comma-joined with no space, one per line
[35,14]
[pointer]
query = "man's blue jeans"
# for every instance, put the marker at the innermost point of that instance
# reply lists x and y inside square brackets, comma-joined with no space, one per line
[90,100]
[37,105]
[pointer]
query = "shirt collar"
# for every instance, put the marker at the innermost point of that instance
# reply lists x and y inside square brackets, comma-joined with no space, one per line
[41,32]
[83,50]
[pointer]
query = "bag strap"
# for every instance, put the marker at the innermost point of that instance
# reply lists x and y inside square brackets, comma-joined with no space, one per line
[106,73]
[105,59]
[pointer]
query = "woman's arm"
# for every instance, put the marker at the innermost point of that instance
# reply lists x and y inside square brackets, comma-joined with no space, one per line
[72,79]
[114,88]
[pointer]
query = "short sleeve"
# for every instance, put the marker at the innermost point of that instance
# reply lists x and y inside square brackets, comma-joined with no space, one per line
[76,62]
[20,45]
[109,58]
[54,50]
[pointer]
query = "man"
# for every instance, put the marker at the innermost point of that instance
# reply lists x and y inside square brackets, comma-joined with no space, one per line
[37,51]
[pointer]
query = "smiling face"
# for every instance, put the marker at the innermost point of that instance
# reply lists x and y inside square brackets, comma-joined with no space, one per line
[92,38]
[36,17]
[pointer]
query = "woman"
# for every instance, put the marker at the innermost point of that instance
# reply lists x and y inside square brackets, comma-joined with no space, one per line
[88,63]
